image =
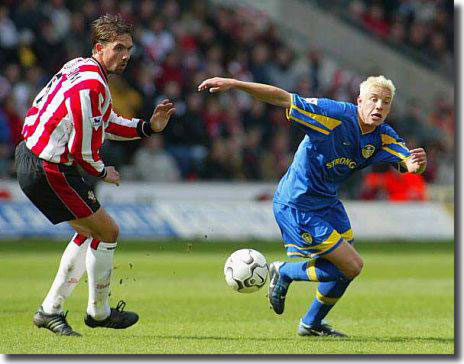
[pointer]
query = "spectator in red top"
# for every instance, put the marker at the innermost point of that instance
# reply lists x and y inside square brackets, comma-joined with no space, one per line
[14,121]
[171,70]
[375,21]
[385,184]
[405,187]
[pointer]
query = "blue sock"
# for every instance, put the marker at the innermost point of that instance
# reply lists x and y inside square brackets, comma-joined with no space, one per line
[324,271]
[328,293]
[294,271]
[320,270]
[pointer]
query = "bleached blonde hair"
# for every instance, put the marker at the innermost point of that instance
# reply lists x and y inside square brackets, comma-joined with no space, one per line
[379,81]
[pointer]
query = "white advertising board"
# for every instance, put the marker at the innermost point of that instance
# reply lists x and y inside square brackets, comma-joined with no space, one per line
[224,211]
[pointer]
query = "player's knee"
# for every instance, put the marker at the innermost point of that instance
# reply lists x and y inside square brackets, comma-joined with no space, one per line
[354,269]
[113,234]
[359,266]
[109,235]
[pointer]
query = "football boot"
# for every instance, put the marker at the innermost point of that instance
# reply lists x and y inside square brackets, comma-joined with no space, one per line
[324,329]
[55,322]
[277,288]
[118,318]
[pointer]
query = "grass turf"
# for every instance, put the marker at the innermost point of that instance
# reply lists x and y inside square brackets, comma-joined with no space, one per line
[402,303]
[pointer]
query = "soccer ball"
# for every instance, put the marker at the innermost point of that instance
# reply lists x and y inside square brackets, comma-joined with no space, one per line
[246,270]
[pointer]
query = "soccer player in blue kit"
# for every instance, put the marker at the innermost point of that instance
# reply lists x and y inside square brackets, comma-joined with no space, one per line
[341,138]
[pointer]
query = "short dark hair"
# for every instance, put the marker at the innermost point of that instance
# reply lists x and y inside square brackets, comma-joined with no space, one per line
[107,27]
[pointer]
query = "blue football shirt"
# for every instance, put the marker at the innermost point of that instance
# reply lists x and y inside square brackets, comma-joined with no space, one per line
[333,148]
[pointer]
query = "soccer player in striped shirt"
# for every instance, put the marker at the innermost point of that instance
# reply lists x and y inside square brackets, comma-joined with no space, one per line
[341,138]
[65,128]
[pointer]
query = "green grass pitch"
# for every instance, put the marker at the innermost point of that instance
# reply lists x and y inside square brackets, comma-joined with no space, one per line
[402,303]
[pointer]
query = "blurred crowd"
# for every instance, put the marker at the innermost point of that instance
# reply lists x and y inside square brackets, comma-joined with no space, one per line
[179,43]
[424,28]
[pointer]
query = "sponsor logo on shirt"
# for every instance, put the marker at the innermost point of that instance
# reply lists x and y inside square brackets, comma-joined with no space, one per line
[96,122]
[92,197]
[341,161]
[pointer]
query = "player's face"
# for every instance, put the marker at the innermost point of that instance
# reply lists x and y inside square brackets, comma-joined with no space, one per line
[115,55]
[374,105]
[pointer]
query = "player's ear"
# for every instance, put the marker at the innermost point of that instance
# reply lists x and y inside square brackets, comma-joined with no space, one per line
[98,47]
[359,100]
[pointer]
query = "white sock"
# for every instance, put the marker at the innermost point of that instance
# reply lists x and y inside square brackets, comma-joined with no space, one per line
[99,267]
[70,271]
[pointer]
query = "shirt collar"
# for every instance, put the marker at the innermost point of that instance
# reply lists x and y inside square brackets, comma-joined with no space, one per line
[102,69]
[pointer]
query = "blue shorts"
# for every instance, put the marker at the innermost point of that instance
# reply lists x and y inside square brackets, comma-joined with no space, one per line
[311,234]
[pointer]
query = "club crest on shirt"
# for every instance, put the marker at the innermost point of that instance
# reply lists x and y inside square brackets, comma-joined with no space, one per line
[368,150]
[92,197]
[96,122]
[307,238]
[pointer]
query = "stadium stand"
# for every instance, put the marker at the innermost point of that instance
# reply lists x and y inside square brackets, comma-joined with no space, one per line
[179,43]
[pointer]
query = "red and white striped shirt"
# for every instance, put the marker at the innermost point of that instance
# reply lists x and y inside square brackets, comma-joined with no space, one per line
[72,115]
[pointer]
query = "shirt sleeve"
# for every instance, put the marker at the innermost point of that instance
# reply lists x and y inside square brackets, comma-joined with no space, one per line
[393,149]
[319,116]
[86,137]
[121,128]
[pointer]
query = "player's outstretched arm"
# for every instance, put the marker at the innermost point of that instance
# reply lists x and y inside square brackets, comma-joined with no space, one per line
[266,93]
[418,162]
[161,115]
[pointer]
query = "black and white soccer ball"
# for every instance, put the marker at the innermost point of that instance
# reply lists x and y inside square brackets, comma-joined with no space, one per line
[246,270]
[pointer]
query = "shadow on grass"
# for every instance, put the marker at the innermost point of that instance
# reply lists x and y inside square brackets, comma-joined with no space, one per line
[398,339]
[404,339]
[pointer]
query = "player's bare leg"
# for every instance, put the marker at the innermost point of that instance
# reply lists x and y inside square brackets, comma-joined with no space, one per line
[100,225]
[346,259]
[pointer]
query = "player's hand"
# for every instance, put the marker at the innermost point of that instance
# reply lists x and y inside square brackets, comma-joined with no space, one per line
[419,156]
[112,176]
[216,84]
[161,115]
[418,161]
